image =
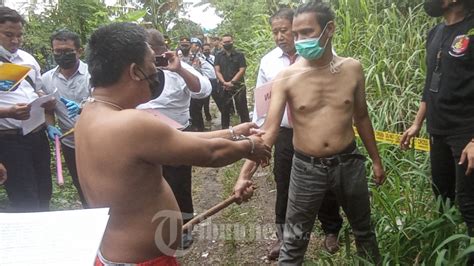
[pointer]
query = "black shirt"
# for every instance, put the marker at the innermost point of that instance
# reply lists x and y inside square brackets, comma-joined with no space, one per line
[230,64]
[450,111]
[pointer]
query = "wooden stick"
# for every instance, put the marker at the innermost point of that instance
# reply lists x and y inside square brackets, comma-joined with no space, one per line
[217,208]
[67,133]
[203,216]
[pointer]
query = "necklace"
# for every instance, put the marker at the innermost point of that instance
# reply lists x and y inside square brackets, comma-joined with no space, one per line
[91,100]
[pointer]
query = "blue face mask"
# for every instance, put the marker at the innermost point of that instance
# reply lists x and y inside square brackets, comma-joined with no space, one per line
[310,49]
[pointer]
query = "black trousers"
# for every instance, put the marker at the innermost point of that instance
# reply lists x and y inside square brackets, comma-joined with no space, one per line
[70,158]
[28,162]
[449,178]
[331,221]
[179,179]
[240,96]
[195,112]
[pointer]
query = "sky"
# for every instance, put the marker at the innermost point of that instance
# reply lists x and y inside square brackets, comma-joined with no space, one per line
[207,18]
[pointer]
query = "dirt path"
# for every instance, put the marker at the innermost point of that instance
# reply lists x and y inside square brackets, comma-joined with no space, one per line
[214,242]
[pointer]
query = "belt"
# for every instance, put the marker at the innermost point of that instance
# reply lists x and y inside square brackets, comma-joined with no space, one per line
[331,161]
[19,131]
[9,132]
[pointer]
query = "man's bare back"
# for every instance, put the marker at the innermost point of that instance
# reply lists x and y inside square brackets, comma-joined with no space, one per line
[120,151]
[114,174]
[321,104]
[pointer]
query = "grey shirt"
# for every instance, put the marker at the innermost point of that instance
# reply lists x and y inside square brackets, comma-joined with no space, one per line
[76,88]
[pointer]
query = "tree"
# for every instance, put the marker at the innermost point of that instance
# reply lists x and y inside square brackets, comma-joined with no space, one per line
[162,13]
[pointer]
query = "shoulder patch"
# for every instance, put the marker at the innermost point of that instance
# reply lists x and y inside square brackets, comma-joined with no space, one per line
[459,45]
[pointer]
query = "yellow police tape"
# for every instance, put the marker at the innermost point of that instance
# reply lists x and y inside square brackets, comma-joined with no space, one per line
[392,138]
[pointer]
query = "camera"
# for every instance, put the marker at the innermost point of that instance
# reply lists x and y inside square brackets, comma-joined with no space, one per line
[161,61]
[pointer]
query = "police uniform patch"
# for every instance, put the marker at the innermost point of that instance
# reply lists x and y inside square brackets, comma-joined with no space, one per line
[459,46]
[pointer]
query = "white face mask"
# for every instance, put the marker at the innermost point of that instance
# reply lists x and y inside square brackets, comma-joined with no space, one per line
[5,53]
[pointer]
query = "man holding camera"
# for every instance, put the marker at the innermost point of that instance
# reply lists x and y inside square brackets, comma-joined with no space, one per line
[182,82]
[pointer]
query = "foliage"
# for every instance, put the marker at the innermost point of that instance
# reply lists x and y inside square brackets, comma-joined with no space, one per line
[82,17]
[185,28]
[162,13]
[388,38]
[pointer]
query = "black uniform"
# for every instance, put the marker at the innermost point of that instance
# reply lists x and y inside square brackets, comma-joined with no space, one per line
[449,97]
[229,66]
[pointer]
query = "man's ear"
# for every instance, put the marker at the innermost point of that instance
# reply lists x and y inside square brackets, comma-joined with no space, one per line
[331,28]
[79,52]
[132,71]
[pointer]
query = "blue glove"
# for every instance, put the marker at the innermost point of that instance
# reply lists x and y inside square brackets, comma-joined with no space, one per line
[53,132]
[72,107]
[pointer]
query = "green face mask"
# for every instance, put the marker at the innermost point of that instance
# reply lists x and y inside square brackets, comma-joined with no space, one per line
[310,49]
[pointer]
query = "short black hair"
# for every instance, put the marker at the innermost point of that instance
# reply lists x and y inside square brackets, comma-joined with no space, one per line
[8,14]
[66,35]
[112,48]
[184,39]
[228,35]
[323,11]
[283,13]
[155,37]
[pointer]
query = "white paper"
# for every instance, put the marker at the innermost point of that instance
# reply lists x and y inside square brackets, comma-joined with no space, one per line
[51,238]
[37,117]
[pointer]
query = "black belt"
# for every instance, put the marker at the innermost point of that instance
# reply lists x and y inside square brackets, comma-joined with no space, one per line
[331,161]
[18,131]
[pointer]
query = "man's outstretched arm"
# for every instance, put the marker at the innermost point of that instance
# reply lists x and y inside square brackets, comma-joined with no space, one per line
[271,128]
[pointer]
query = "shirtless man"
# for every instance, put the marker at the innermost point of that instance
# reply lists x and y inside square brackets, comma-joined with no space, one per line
[120,150]
[325,94]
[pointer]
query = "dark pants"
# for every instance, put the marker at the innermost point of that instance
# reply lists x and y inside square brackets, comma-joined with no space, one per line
[195,112]
[240,96]
[179,179]
[449,178]
[331,221]
[27,160]
[309,183]
[197,105]
[70,158]
[215,96]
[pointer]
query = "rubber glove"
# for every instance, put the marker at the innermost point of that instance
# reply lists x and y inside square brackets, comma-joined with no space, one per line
[53,132]
[73,108]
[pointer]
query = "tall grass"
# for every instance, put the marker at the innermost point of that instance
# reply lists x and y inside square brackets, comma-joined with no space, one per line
[389,42]
[388,38]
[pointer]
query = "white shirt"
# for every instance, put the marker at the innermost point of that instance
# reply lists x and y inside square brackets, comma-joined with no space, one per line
[207,66]
[76,88]
[175,98]
[270,65]
[25,93]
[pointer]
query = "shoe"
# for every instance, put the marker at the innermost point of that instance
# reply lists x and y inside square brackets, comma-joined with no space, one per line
[186,241]
[275,250]
[331,243]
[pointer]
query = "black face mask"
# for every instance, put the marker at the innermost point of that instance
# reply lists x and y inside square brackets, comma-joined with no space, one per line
[66,60]
[228,46]
[185,49]
[434,8]
[207,54]
[156,82]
